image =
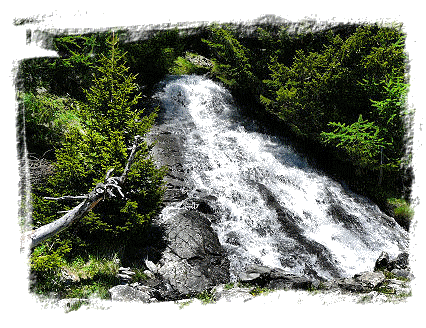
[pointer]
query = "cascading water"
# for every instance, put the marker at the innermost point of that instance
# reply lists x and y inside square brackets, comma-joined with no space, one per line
[276,210]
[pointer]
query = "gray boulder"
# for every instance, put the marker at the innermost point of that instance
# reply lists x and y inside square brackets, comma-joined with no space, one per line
[363,282]
[167,151]
[130,293]
[256,274]
[382,262]
[385,263]
[275,278]
[402,273]
[194,260]
[401,262]
[125,275]
[229,294]
[370,279]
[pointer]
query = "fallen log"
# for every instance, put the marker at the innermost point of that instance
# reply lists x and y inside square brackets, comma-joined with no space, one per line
[31,239]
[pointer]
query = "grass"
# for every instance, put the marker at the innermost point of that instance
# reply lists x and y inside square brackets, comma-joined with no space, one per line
[256,291]
[93,277]
[206,297]
[402,211]
[90,278]
[184,66]
[183,304]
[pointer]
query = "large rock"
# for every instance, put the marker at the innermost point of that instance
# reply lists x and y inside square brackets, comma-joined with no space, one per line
[167,151]
[194,259]
[130,293]
[275,278]
[399,263]
[382,262]
[232,293]
[363,282]
[370,279]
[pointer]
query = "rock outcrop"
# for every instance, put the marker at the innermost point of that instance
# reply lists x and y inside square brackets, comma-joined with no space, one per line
[191,259]
[194,259]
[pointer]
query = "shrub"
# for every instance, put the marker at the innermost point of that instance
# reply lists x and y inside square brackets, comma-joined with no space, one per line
[48,118]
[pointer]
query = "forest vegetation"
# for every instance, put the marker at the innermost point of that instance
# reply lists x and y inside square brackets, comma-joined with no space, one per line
[339,93]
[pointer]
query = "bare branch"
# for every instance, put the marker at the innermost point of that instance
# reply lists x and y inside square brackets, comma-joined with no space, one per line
[135,147]
[32,238]
[66,198]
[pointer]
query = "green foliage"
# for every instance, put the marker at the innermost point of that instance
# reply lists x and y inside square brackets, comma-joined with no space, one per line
[229,285]
[49,257]
[325,86]
[256,291]
[401,210]
[71,73]
[206,297]
[108,125]
[190,64]
[232,63]
[48,118]
[349,94]
[91,277]
[183,66]
[154,57]
[76,50]
[360,141]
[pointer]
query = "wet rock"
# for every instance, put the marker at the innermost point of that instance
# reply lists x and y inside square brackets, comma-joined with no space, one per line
[382,262]
[363,282]
[401,262]
[350,284]
[255,274]
[194,259]
[167,151]
[275,278]
[151,266]
[149,274]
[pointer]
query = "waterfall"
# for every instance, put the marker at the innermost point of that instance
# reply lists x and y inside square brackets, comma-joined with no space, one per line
[275,208]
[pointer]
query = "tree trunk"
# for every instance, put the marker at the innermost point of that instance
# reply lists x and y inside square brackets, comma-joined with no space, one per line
[31,239]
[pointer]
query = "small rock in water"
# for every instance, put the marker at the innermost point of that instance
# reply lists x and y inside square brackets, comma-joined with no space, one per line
[382,262]
[401,262]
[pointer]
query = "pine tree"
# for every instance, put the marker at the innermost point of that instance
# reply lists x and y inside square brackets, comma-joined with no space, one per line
[109,123]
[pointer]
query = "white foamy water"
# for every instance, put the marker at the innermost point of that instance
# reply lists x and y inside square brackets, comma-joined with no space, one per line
[276,209]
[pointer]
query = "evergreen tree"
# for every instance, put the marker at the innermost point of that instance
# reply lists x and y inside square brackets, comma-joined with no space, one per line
[109,123]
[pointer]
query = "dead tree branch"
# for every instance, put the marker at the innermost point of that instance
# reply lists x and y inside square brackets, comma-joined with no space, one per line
[31,239]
